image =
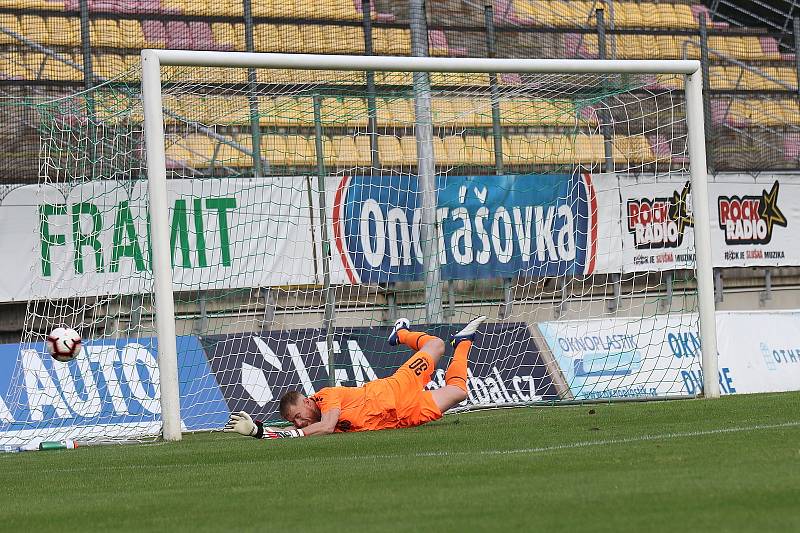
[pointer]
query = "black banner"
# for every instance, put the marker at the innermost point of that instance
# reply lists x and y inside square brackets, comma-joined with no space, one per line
[255,370]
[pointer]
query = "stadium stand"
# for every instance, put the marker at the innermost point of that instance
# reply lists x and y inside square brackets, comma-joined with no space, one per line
[753,77]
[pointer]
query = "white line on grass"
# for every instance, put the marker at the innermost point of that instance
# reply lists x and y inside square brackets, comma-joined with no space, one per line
[588,443]
[541,449]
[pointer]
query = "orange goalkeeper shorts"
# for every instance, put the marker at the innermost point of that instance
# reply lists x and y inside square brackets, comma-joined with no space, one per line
[413,405]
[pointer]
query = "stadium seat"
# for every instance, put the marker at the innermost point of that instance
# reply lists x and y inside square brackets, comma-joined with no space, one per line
[632,150]
[229,36]
[105,33]
[178,36]
[108,66]
[791,147]
[344,150]
[63,31]
[343,112]
[11,23]
[479,150]
[589,149]
[155,34]
[131,34]
[390,151]
[392,41]
[273,149]
[343,39]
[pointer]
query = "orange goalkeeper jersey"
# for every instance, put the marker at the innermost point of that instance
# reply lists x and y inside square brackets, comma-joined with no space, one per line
[393,402]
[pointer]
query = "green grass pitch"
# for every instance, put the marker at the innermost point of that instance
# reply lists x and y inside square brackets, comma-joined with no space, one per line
[726,465]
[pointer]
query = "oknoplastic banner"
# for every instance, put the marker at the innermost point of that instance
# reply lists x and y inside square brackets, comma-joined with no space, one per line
[759,351]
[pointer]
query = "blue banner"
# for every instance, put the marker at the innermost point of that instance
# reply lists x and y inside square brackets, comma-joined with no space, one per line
[488,226]
[114,381]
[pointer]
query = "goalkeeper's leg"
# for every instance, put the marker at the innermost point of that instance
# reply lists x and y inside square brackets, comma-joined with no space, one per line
[455,390]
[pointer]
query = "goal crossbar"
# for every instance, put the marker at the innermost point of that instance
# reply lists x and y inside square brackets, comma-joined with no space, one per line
[152,60]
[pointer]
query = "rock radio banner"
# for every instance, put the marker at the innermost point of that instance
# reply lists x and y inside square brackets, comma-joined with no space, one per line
[254,371]
[657,225]
[488,227]
[756,223]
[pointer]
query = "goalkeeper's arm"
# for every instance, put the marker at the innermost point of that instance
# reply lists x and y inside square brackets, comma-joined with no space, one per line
[243,424]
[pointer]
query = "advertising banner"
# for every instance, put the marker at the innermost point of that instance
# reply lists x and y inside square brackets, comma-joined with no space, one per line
[755,223]
[488,227]
[762,347]
[759,351]
[657,224]
[625,357]
[254,371]
[111,384]
[93,238]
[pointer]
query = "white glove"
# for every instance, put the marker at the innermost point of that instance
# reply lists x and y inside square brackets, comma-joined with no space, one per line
[241,423]
[281,433]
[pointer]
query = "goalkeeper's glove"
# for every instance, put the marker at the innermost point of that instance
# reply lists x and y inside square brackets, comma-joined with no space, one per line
[242,423]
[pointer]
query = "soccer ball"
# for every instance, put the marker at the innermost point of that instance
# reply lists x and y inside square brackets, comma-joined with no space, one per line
[63,344]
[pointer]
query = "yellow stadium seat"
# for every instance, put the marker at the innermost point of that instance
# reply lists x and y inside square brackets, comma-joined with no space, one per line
[684,18]
[105,33]
[391,41]
[338,10]
[131,34]
[390,151]
[363,150]
[291,38]
[34,28]
[589,149]
[628,15]
[11,23]
[343,40]
[452,151]
[63,31]
[300,151]
[177,6]
[479,150]
[289,111]
[339,112]
[345,152]
[632,150]
[409,145]
[273,149]
[201,8]
[231,35]
[516,150]
[108,66]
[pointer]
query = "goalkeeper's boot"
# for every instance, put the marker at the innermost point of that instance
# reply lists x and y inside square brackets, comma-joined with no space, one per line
[400,323]
[468,332]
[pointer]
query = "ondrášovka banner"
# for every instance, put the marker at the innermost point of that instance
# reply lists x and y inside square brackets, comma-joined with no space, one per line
[254,371]
[488,227]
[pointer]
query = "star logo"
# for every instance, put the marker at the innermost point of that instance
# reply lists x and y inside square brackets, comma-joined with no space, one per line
[679,208]
[768,209]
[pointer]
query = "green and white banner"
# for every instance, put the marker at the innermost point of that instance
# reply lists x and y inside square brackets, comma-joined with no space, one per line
[93,239]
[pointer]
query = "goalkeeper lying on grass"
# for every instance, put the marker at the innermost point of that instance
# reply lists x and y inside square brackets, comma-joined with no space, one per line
[394,402]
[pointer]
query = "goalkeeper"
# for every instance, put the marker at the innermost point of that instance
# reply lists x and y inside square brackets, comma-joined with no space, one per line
[394,402]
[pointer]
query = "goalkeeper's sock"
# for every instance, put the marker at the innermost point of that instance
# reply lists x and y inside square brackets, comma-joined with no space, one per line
[456,374]
[413,339]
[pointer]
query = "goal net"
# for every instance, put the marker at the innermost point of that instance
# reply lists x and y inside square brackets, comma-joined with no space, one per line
[308,209]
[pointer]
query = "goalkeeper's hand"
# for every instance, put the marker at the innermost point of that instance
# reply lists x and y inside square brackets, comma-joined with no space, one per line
[242,423]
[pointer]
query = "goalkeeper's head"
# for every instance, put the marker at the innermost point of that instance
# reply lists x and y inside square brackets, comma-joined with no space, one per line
[299,410]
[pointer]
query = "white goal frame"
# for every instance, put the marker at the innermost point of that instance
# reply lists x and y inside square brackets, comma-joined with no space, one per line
[152,60]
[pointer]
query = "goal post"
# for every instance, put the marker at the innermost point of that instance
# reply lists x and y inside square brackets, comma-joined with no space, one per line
[218,241]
